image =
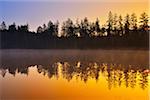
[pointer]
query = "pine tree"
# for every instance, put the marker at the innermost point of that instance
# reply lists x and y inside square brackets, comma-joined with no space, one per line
[3,26]
[110,23]
[127,24]
[120,25]
[144,20]
[97,26]
[133,21]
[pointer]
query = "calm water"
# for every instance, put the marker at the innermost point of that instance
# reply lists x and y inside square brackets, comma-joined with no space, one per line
[74,75]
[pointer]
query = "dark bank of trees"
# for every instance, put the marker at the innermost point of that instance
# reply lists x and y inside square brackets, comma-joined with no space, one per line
[118,32]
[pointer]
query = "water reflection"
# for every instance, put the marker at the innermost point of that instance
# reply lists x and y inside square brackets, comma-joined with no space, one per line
[115,75]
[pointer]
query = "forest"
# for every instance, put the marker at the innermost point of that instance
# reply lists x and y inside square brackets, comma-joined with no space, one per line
[118,32]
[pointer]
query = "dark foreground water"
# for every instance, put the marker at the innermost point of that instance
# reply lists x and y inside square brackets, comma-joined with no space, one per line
[74,75]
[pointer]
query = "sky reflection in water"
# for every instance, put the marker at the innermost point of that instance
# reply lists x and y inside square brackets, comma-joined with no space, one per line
[26,77]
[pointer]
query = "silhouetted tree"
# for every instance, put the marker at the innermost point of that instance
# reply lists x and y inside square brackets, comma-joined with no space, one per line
[103,30]
[110,23]
[133,21]
[3,26]
[144,21]
[39,29]
[44,27]
[115,21]
[12,27]
[97,26]
[77,28]
[77,35]
[23,28]
[51,29]
[120,25]
[56,25]
[84,28]
[50,26]
[69,28]
[127,24]
[63,29]
[93,29]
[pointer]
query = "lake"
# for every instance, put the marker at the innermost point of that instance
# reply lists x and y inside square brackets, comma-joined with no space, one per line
[74,74]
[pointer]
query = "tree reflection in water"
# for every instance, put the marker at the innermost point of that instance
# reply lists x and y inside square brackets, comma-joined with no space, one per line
[115,75]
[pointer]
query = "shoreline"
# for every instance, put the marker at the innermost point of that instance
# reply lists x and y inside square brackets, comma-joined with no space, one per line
[116,48]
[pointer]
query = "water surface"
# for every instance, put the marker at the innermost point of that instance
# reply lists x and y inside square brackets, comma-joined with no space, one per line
[74,74]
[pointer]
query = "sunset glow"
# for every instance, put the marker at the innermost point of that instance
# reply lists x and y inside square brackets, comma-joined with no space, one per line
[37,12]
[61,89]
[74,49]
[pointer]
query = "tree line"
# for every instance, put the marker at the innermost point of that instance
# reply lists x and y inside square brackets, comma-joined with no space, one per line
[115,25]
[119,29]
